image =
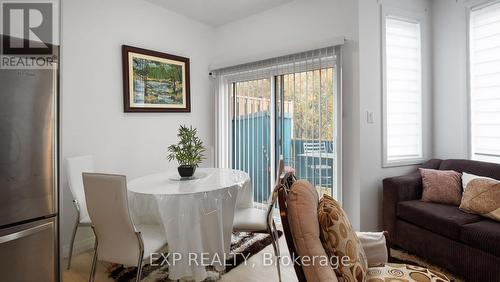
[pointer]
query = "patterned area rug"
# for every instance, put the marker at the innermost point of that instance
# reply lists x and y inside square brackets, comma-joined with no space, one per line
[243,245]
[400,256]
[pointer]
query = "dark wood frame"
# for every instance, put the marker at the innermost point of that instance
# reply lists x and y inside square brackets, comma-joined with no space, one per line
[286,183]
[126,81]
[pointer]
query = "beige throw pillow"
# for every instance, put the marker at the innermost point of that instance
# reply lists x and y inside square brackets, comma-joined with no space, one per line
[482,196]
[341,242]
[441,186]
[468,177]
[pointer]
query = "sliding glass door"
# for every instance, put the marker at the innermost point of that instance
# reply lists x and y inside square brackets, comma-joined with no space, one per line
[286,108]
[251,147]
[306,126]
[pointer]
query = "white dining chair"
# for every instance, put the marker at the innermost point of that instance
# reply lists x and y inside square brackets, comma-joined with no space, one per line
[117,239]
[260,220]
[75,167]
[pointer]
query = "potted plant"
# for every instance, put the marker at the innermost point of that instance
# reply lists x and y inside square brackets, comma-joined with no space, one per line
[188,152]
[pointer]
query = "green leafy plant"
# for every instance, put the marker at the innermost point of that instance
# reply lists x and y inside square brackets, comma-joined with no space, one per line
[189,150]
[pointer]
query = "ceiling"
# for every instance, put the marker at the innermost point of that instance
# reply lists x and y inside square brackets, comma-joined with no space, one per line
[218,12]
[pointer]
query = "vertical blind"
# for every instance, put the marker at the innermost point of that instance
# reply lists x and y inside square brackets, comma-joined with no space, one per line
[485,82]
[403,90]
[251,133]
[258,106]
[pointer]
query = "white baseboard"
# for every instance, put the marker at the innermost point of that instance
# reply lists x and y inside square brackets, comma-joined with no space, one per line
[79,246]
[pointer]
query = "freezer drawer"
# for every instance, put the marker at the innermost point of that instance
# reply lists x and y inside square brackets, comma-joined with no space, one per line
[28,252]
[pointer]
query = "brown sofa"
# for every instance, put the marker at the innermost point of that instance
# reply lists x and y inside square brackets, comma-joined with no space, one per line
[298,203]
[465,244]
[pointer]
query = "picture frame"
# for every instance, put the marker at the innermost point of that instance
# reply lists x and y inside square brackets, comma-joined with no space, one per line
[155,81]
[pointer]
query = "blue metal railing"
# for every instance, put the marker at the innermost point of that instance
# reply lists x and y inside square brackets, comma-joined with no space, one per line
[251,153]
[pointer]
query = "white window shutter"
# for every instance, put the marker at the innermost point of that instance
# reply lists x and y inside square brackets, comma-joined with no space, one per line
[403,91]
[485,83]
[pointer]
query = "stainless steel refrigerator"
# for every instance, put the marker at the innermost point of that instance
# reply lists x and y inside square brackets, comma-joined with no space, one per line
[28,175]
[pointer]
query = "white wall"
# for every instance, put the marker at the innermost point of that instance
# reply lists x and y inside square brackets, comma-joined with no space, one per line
[298,24]
[450,79]
[303,24]
[93,121]
[370,82]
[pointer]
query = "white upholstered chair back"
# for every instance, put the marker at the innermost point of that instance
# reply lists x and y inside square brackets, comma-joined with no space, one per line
[107,204]
[75,167]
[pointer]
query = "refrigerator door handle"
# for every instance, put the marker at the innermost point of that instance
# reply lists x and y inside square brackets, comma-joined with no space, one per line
[25,233]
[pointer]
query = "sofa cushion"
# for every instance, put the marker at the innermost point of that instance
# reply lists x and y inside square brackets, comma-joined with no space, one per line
[445,220]
[484,235]
[475,167]
[404,273]
[341,242]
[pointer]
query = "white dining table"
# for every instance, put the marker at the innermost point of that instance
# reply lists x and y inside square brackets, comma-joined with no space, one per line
[197,215]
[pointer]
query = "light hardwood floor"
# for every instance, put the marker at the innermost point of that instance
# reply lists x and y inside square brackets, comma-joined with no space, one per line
[253,271]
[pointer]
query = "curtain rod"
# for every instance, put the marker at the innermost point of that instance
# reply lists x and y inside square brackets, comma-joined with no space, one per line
[335,41]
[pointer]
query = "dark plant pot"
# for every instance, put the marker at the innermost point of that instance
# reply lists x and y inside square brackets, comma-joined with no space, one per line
[186,170]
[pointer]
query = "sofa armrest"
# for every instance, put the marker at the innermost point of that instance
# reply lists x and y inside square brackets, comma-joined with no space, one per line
[398,189]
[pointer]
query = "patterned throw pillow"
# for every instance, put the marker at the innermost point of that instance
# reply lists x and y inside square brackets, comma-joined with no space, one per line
[482,196]
[441,186]
[404,273]
[341,242]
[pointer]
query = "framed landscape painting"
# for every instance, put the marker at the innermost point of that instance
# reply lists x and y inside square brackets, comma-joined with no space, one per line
[154,81]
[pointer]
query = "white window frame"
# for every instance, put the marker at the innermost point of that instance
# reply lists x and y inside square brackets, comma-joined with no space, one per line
[412,17]
[471,5]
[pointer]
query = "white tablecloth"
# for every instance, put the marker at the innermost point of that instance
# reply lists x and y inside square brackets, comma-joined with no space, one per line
[197,214]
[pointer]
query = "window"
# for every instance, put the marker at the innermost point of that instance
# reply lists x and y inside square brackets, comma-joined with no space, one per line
[403,91]
[484,61]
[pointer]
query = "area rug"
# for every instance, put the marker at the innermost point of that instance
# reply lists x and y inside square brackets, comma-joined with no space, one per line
[243,245]
[400,256]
